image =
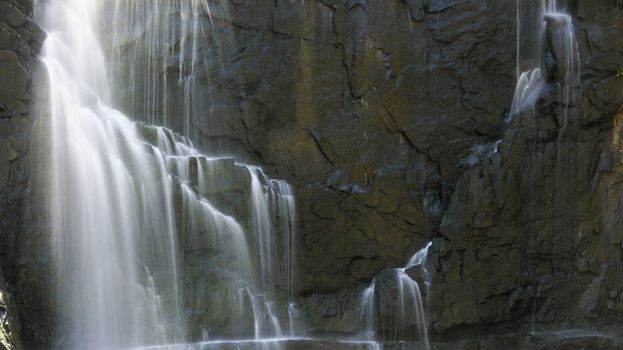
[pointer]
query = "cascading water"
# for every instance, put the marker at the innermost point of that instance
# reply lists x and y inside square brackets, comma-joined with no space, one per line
[134,207]
[108,203]
[159,48]
[411,305]
[403,299]
[548,63]
[545,35]
[368,311]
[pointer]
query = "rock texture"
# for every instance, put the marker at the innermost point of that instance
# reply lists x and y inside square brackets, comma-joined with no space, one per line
[368,107]
[23,256]
[386,115]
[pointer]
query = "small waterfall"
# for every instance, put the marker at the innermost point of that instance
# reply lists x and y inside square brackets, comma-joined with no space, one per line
[411,305]
[402,299]
[368,310]
[163,48]
[276,264]
[529,89]
[154,241]
[547,50]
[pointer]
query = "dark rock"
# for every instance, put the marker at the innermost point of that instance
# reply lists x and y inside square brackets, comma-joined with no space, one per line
[24,253]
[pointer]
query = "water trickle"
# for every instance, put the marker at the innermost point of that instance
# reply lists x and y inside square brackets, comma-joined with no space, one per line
[411,305]
[136,210]
[547,51]
[530,86]
[368,310]
[163,49]
[406,304]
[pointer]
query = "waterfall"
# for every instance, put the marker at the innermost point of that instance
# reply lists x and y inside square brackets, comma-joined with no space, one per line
[547,50]
[368,310]
[154,241]
[411,305]
[403,301]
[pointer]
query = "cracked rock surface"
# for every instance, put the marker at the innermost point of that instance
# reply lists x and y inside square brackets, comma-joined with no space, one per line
[388,117]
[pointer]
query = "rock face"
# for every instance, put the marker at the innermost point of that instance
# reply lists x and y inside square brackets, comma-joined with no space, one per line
[23,255]
[368,107]
[386,116]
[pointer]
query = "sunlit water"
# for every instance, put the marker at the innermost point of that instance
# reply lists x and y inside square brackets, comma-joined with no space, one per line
[131,207]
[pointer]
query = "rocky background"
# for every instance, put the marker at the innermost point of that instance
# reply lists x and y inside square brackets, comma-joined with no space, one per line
[25,283]
[385,116]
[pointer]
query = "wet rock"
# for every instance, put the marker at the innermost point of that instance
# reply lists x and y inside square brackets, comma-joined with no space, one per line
[401,301]
[23,247]
[383,115]
[10,337]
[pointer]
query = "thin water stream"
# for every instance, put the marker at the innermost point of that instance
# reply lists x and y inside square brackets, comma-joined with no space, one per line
[545,34]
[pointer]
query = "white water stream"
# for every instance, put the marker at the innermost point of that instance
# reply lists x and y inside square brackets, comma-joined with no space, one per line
[409,306]
[132,209]
[545,32]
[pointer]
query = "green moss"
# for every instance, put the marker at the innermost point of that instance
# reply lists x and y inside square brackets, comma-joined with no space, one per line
[619,73]
[4,340]
[7,152]
[12,152]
